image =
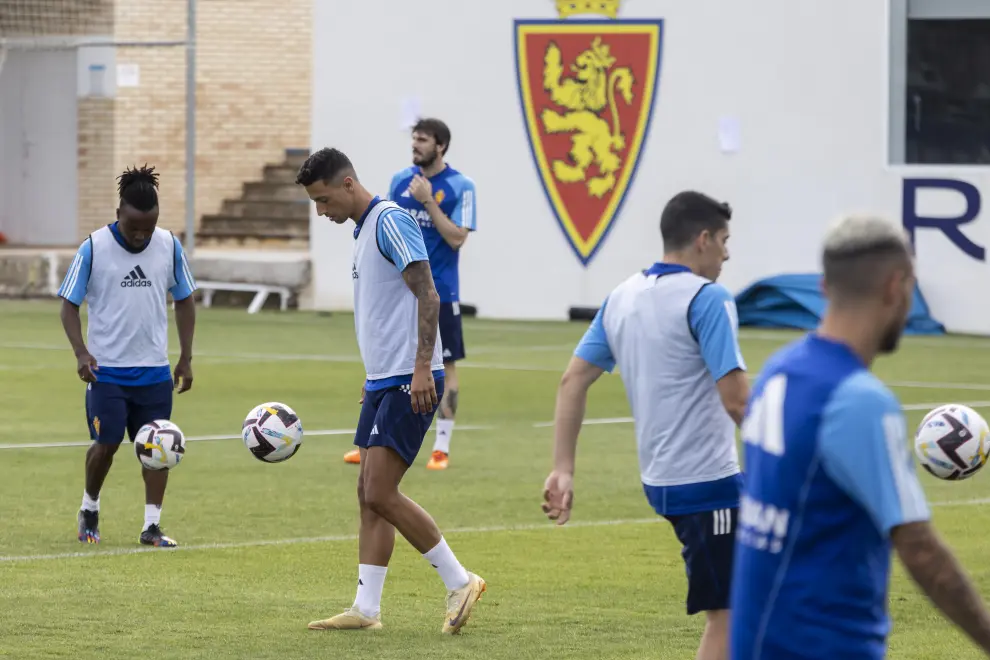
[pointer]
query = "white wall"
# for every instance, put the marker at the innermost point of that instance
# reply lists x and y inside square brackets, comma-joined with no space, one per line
[808,82]
[38,147]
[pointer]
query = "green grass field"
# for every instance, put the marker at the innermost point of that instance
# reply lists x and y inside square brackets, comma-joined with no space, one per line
[267,548]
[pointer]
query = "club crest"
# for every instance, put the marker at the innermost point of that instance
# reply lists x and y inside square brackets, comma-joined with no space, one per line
[587,90]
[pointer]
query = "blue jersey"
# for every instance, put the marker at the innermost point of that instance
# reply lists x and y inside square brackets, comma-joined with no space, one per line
[455,196]
[828,475]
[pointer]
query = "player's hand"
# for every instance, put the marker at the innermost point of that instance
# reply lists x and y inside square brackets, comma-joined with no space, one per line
[423,391]
[85,366]
[361,400]
[558,496]
[183,376]
[421,189]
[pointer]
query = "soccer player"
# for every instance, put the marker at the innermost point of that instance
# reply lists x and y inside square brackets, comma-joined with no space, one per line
[123,271]
[830,484]
[442,200]
[672,330]
[396,310]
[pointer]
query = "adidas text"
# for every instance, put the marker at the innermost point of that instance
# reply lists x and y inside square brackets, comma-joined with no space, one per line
[129,283]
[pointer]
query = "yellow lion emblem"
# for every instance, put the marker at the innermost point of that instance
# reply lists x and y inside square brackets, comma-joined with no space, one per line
[585,96]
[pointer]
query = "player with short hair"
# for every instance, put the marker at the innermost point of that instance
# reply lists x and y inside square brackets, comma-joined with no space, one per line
[124,271]
[830,483]
[673,332]
[442,200]
[396,311]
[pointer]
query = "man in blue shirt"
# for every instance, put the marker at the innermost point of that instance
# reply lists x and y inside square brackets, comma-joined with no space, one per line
[672,331]
[442,201]
[830,483]
[124,272]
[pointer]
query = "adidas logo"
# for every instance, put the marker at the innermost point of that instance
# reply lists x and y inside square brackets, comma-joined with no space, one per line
[374,430]
[136,278]
[354,273]
[405,194]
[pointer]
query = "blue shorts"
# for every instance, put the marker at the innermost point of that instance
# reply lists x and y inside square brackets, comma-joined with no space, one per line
[451,335]
[707,539]
[387,420]
[112,409]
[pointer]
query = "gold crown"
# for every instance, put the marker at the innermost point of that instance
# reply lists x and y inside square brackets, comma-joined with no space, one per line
[609,8]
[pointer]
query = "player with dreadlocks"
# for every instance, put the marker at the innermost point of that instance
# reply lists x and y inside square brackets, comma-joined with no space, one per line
[123,271]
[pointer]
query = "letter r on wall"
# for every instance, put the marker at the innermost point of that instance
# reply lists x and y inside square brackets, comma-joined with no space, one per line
[948,226]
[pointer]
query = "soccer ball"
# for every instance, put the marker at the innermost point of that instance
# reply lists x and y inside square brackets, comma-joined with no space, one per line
[160,445]
[952,442]
[272,432]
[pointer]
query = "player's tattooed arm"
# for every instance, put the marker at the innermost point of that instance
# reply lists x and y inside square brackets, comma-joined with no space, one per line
[938,573]
[419,279]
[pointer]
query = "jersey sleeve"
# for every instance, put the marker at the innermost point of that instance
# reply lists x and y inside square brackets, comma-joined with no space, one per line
[76,280]
[183,283]
[396,180]
[863,447]
[464,214]
[401,239]
[593,347]
[715,324]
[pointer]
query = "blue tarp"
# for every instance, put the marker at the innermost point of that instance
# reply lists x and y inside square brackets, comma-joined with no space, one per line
[796,301]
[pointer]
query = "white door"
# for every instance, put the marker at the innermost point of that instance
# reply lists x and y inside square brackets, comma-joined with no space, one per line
[38,148]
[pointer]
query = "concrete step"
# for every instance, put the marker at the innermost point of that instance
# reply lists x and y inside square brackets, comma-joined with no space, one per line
[242,225]
[212,241]
[253,208]
[295,157]
[281,173]
[273,192]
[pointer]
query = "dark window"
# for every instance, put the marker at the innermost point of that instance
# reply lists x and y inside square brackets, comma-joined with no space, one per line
[947,114]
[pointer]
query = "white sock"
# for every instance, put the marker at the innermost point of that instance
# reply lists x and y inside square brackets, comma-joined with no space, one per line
[89,504]
[152,515]
[451,572]
[445,429]
[371,581]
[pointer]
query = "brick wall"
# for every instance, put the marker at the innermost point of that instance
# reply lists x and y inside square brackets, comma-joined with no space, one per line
[253,101]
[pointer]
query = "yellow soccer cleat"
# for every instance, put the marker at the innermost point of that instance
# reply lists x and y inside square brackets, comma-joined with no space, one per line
[351,619]
[353,456]
[461,602]
[438,461]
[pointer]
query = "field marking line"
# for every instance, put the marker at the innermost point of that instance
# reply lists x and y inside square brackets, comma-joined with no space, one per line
[593,421]
[493,529]
[353,359]
[525,527]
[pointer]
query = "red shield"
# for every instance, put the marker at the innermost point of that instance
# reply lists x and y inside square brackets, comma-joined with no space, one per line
[587,90]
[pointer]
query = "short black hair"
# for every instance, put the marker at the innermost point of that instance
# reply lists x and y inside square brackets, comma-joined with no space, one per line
[138,187]
[859,253]
[689,213]
[436,129]
[324,165]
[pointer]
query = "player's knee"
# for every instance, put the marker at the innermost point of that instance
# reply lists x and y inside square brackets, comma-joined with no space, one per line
[378,497]
[104,451]
[717,621]
[360,492]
